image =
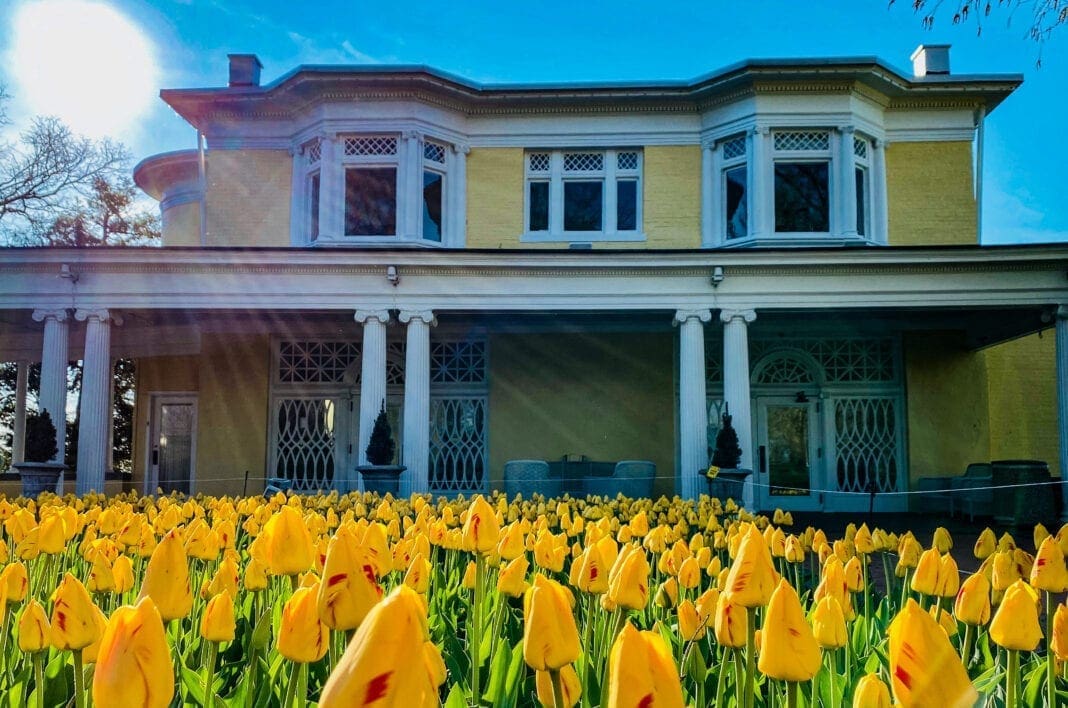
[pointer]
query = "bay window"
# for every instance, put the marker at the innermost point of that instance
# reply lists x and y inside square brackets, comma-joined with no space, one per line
[802,164]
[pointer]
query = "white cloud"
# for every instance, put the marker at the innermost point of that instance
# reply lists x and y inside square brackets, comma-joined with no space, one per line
[1013,217]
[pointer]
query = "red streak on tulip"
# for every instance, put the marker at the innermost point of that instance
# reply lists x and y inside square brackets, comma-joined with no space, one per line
[903,676]
[646,701]
[376,688]
[335,579]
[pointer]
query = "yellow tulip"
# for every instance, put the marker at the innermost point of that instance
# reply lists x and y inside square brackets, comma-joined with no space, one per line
[1058,643]
[133,666]
[255,578]
[512,580]
[381,666]
[871,692]
[854,574]
[349,588]
[302,637]
[470,572]
[1015,624]
[928,572]
[287,544]
[34,630]
[788,650]
[591,572]
[628,580]
[863,540]
[510,545]
[481,528]
[1005,571]
[1049,572]
[667,595]
[51,538]
[16,579]
[100,621]
[985,545]
[972,605]
[924,667]
[73,620]
[122,573]
[829,624]
[550,637]
[948,577]
[218,624]
[570,687]
[689,573]
[642,672]
[101,577]
[167,579]
[942,540]
[732,623]
[752,576]
[418,575]
[691,626]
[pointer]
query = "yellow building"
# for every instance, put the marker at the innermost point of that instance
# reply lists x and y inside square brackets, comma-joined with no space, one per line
[566,286]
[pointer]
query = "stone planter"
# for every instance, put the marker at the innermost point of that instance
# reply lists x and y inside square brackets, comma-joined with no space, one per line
[730,484]
[39,477]
[381,478]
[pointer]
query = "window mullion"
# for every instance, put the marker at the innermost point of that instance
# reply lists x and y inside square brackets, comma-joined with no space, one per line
[847,187]
[556,192]
[610,196]
[331,189]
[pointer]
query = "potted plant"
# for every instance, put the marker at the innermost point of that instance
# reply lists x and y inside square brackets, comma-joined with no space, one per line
[725,478]
[380,474]
[38,472]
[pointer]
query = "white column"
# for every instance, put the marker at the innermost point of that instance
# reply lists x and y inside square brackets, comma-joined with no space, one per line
[331,188]
[94,415]
[710,231]
[54,360]
[761,183]
[736,377]
[18,444]
[299,199]
[416,451]
[410,223]
[878,191]
[847,211]
[456,182]
[1062,400]
[693,409]
[372,373]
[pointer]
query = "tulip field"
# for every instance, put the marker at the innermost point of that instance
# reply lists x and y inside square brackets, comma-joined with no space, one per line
[353,600]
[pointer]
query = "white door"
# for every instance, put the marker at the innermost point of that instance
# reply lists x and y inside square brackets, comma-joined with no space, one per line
[171,444]
[787,464]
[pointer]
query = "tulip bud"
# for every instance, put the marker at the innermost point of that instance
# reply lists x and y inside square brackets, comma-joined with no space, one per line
[469,576]
[731,624]
[1058,643]
[871,692]
[34,630]
[73,621]
[642,671]
[418,575]
[667,595]
[924,667]
[942,540]
[689,573]
[349,589]
[985,545]
[829,624]
[1049,572]
[302,637]
[691,626]
[570,687]
[972,605]
[1015,624]
[550,637]
[752,575]
[512,580]
[788,650]
[134,666]
[122,573]
[287,543]
[218,623]
[16,579]
[481,529]
[167,579]
[925,580]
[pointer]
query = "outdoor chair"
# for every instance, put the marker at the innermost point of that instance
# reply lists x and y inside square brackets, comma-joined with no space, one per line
[974,498]
[529,477]
[634,478]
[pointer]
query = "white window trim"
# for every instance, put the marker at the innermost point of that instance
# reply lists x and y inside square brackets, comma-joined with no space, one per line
[609,176]
[725,164]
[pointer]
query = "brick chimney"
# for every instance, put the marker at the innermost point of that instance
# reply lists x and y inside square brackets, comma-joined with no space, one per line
[244,69]
[930,60]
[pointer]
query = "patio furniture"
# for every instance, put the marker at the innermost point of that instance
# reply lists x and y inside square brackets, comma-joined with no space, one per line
[974,497]
[529,477]
[634,478]
[1024,506]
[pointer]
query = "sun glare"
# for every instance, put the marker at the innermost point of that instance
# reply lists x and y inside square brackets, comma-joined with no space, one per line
[84,62]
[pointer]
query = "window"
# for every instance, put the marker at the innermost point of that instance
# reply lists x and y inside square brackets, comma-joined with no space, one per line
[370,185]
[861,174]
[433,190]
[802,181]
[313,205]
[735,197]
[583,195]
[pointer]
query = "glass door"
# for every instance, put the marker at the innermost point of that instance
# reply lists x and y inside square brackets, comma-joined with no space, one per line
[786,460]
[172,445]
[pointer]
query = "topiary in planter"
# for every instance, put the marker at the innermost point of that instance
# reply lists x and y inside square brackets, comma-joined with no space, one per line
[40,443]
[727,453]
[381,447]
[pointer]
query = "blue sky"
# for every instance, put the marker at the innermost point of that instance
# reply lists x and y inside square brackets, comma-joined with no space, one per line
[1026,153]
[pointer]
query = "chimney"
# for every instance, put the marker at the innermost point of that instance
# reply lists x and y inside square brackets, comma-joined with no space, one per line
[244,69]
[930,60]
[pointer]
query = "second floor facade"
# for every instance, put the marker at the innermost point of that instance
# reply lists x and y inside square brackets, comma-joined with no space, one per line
[766,153]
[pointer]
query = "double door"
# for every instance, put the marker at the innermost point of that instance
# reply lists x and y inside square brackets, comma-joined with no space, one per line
[789,459]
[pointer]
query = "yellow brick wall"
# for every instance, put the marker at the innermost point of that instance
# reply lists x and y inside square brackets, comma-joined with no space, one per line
[607,396]
[948,408]
[929,194]
[248,197]
[181,225]
[671,199]
[161,374]
[1023,400]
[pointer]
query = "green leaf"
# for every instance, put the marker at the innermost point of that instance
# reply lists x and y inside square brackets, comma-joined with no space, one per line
[456,698]
[514,678]
[194,685]
[497,671]
[261,635]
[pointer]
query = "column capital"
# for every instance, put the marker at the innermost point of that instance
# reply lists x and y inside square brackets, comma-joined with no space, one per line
[879,143]
[427,316]
[412,135]
[761,130]
[1062,312]
[746,315]
[461,148]
[57,314]
[846,129]
[100,314]
[682,316]
[362,316]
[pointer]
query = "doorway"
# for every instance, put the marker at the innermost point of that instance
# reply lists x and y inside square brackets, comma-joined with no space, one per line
[788,453]
[171,444]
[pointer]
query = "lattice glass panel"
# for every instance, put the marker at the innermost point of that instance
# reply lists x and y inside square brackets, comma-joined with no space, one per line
[866,434]
[583,161]
[434,153]
[371,145]
[457,444]
[304,451]
[735,147]
[457,362]
[842,360]
[784,370]
[315,362]
[802,140]
[860,148]
[395,363]
[314,151]
[538,161]
[715,408]
[627,161]
[713,364]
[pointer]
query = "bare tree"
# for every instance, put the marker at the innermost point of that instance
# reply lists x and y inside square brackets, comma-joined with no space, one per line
[109,215]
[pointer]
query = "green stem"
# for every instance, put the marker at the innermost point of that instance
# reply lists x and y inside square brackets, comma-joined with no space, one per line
[291,690]
[476,630]
[617,626]
[1051,669]
[38,677]
[867,603]
[791,694]
[209,677]
[79,680]
[558,689]
[749,694]
[1012,679]
[832,670]
[302,686]
[739,674]
[969,645]
[721,680]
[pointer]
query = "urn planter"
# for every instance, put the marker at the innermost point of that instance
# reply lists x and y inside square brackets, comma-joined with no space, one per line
[39,477]
[381,478]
